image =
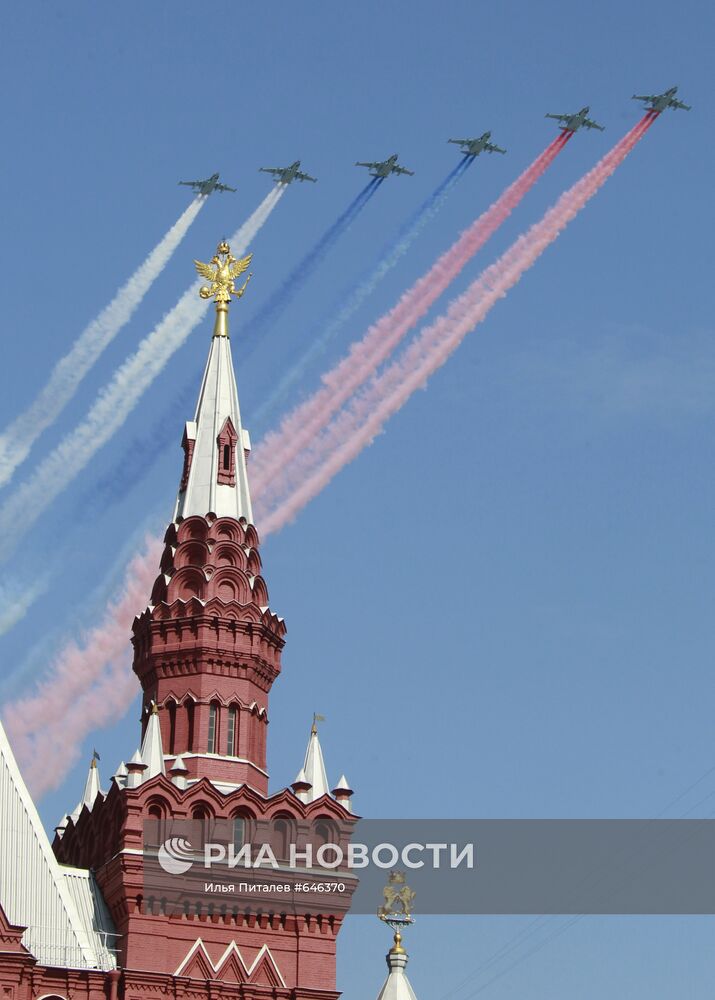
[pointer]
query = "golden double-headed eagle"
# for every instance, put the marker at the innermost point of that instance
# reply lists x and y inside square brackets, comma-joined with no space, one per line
[222,272]
[397,899]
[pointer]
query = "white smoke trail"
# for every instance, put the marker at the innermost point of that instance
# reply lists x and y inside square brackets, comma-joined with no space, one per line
[14,603]
[115,401]
[20,435]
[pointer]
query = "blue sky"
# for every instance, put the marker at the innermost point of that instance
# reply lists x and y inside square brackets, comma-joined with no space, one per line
[516,577]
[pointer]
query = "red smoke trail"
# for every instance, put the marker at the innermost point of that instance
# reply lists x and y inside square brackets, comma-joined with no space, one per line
[298,428]
[87,686]
[358,424]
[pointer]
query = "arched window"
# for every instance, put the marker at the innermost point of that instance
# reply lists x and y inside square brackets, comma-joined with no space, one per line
[213,728]
[190,726]
[226,441]
[232,732]
[281,838]
[171,708]
[205,819]
[156,827]
[323,833]
[238,832]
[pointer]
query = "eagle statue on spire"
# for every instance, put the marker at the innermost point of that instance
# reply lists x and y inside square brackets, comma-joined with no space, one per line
[222,272]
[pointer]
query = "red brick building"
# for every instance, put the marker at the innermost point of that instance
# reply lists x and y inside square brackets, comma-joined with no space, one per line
[74,922]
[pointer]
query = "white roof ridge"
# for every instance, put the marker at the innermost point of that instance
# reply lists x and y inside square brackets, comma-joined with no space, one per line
[34,892]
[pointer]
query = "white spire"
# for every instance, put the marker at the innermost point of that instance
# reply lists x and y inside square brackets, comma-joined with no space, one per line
[120,775]
[343,792]
[91,786]
[216,443]
[314,768]
[152,753]
[397,986]
[91,790]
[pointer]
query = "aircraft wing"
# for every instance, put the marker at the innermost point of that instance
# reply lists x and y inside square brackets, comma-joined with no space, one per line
[591,124]
[270,170]
[192,184]
[305,177]
[680,104]
[493,148]
[403,170]
[375,164]
[559,118]
[644,97]
[223,187]
[460,142]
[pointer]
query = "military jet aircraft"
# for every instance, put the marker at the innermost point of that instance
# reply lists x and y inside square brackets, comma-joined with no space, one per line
[473,147]
[208,186]
[572,123]
[659,102]
[383,168]
[284,175]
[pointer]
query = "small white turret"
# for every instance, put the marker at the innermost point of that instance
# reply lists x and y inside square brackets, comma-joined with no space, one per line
[314,765]
[152,752]
[301,786]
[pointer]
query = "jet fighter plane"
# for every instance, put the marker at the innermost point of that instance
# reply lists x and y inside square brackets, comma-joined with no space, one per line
[659,102]
[572,123]
[473,147]
[284,175]
[383,168]
[208,186]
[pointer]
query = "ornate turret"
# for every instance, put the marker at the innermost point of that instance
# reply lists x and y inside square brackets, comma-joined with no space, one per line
[207,650]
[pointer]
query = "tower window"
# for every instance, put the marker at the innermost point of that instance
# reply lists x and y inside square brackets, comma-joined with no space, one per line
[172,726]
[239,832]
[226,441]
[190,726]
[213,727]
[232,732]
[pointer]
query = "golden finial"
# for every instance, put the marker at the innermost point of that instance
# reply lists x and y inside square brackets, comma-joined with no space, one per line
[316,719]
[396,909]
[397,948]
[222,272]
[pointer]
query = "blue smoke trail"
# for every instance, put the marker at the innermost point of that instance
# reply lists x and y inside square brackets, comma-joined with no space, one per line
[353,299]
[282,298]
[139,456]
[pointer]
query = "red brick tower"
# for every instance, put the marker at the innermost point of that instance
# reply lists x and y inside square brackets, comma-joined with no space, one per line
[206,651]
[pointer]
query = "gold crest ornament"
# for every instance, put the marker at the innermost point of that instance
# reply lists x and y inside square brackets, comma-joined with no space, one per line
[221,272]
[397,899]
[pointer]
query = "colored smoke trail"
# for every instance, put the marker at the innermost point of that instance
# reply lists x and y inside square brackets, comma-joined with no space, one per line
[20,435]
[270,460]
[352,301]
[88,685]
[14,602]
[358,424]
[116,400]
[34,723]
[309,263]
